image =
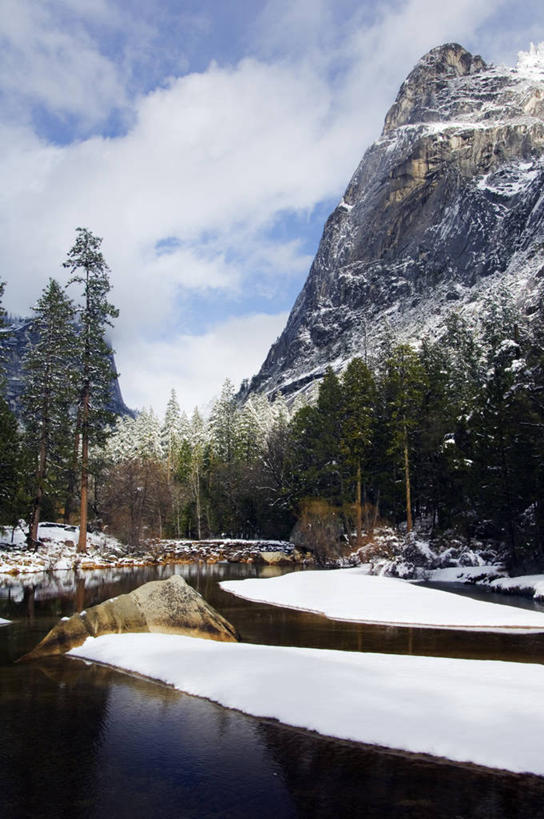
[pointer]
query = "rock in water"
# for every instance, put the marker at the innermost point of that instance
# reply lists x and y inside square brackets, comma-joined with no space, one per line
[167,606]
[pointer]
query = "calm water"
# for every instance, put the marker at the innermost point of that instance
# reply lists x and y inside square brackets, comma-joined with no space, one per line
[84,741]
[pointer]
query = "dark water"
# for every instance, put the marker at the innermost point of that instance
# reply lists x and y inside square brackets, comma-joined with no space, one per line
[79,740]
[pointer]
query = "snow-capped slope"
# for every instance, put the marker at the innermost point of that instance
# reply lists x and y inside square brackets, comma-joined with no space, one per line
[446,206]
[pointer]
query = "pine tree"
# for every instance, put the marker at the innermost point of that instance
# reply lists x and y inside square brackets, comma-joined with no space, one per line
[197,441]
[404,386]
[88,268]
[223,424]
[358,405]
[253,422]
[328,444]
[172,432]
[49,392]
[11,467]
[3,331]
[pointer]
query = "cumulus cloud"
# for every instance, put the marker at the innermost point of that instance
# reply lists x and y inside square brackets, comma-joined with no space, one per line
[61,69]
[187,199]
[196,365]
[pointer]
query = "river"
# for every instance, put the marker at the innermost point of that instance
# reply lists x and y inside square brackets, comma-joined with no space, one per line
[80,740]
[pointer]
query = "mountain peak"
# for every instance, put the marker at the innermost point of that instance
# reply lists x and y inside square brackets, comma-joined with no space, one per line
[419,93]
[445,209]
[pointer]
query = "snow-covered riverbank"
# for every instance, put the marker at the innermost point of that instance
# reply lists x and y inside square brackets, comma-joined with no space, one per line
[485,577]
[351,594]
[57,551]
[417,557]
[486,712]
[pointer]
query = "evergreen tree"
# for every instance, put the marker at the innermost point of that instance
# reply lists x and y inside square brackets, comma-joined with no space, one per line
[147,436]
[404,388]
[11,467]
[3,331]
[197,439]
[358,407]
[88,269]
[49,393]
[329,436]
[223,424]
[172,432]
[505,434]
[253,422]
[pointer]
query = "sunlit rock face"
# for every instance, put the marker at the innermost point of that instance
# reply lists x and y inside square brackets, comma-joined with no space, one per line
[166,606]
[444,209]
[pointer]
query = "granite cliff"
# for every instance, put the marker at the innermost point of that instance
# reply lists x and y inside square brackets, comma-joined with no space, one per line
[445,208]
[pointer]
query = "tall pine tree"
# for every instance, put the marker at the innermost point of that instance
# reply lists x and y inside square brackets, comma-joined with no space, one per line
[49,393]
[404,387]
[359,398]
[88,269]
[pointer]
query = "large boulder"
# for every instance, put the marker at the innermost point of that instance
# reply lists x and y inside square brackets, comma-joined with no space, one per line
[167,606]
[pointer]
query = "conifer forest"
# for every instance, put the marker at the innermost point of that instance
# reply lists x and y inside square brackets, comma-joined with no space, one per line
[449,433]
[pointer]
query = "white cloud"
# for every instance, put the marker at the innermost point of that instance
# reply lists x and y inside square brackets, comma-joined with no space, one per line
[212,160]
[61,69]
[196,365]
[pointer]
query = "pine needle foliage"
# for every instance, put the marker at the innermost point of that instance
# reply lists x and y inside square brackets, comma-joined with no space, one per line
[49,394]
[88,269]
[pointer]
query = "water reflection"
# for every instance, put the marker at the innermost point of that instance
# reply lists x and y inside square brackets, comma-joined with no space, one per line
[51,728]
[42,600]
[84,741]
[332,778]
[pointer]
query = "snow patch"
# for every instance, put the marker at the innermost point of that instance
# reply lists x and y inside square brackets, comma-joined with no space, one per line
[352,594]
[531,63]
[486,712]
[532,584]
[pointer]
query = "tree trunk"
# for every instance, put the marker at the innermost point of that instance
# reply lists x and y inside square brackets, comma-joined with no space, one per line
[358,506]
[72,472]
[82,543]
[196,491]
[376,510]
[407,483]
[37,505]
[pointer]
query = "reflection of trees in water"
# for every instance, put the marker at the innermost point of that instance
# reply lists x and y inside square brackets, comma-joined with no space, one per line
[327,778]
[52,725]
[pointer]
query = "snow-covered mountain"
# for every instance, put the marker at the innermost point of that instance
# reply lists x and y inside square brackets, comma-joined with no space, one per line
[445,207]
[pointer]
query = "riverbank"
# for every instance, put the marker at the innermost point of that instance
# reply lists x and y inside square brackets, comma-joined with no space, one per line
[416,557]
[57,551]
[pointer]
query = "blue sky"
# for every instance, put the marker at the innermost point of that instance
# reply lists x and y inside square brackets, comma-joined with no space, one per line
[206,142]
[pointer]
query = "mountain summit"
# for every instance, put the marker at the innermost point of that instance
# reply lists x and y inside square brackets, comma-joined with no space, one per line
[445,208]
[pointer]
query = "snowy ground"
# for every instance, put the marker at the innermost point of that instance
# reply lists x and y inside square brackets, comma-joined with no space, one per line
[4,622]
[57,551]
[486,712]
[351,594]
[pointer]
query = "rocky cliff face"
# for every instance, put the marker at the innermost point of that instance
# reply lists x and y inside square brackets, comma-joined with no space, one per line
[445,207]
